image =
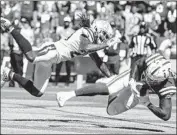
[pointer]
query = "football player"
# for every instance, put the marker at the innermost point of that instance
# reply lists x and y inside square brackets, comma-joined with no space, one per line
[148,73]
[85,40]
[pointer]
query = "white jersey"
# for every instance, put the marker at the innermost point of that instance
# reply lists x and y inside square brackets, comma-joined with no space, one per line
[75,45]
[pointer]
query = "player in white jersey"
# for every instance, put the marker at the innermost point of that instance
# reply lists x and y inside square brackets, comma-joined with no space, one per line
[86,40]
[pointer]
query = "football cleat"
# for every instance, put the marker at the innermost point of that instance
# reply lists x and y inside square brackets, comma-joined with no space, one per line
[62,97]
[5,24]
[5,76]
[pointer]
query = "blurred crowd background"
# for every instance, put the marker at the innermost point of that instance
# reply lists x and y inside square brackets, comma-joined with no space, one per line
[46,21]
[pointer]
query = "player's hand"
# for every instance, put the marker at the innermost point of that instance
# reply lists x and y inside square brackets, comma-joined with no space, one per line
[144,100]
[113,41]
[133,85]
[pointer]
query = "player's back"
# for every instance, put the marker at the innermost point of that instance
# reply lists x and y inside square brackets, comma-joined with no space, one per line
[76,43]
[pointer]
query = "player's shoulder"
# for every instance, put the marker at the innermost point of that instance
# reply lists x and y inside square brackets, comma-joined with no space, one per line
[88,33]
[150,59]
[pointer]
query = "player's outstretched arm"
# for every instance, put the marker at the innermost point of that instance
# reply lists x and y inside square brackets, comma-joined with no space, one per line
[164,109]
[91,48]
[100,64]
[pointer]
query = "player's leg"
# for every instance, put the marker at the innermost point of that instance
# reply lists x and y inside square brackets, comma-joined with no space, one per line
[57,72]
[25,46]
[23,43]
[118,102]
[124,99]
[38,85]
[115,84]
[68,71]
[91,90]
[13,62]
[118,82]
[47,55]
[27,84]
[42,73]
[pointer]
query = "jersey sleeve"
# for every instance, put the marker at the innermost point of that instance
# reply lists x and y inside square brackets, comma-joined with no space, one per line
[169,88]
[88,33]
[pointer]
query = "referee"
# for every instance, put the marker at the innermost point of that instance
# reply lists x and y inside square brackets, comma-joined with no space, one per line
[141,44]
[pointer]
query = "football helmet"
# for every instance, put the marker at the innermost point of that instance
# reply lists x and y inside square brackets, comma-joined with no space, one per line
[159,70]
[103,30]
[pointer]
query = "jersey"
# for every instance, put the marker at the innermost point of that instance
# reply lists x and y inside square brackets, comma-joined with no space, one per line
[164,88]
[142,45]
[75,45]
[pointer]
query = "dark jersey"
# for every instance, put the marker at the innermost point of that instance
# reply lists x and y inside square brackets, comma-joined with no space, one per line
[166,87]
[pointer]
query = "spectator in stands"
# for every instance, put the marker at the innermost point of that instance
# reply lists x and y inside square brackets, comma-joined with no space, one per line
[112,57]
[54,15]
[45,18]
[120,20]
[64,11]
[171,18]
[167,47]
[132,19]
[64,33]
[153,18]
[4,45]
[27,10]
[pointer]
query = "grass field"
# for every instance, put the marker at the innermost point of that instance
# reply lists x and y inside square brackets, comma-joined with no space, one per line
[23,114]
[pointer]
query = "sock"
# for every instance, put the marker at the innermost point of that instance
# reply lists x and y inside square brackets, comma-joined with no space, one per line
[24,44]
[27,84]
[92,90]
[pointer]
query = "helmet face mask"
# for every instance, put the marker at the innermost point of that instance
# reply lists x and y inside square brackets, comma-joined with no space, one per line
[158,71]
[102,37]
[103,30]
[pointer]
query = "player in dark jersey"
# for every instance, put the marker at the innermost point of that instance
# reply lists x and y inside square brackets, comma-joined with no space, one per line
[129,88]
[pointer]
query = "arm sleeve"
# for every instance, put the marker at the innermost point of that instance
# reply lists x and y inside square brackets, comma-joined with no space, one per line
[164,109]
[100,64]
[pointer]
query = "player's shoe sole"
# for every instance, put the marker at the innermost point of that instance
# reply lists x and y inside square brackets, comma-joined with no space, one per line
[5,76]
[61,98]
